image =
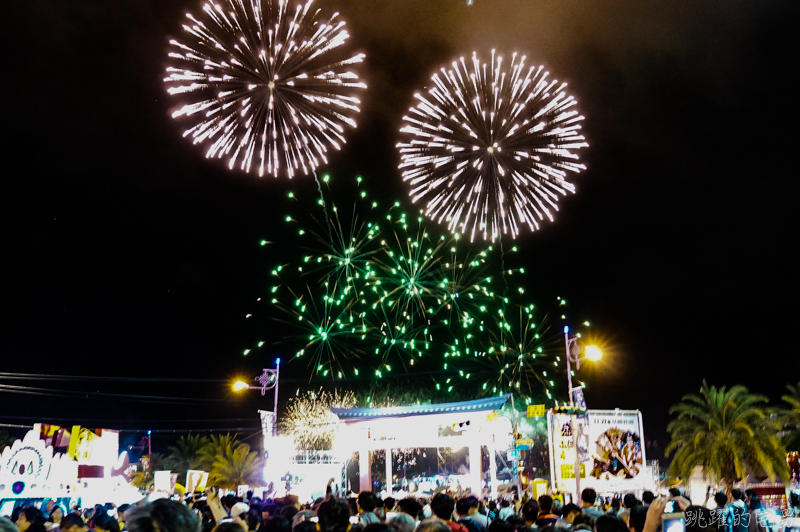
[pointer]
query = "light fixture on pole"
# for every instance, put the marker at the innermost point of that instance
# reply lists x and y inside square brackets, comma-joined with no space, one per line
[268,380]
[573,350]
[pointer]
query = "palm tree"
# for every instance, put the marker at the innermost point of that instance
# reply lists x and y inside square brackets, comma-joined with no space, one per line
[216,446]
[726,432]
[790,418]
[186,454]
[236,467]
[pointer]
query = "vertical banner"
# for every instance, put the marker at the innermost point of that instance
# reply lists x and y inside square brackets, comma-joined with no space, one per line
[614,460]
[268,422]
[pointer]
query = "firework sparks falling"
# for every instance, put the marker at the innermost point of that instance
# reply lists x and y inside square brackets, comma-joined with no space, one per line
[267,88]
[490,148]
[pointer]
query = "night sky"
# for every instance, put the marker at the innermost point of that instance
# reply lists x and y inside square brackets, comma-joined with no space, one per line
[128,253]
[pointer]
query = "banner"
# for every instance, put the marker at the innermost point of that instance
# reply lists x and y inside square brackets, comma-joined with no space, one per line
[161,481]
[613,443]
[196,480]
[268,427]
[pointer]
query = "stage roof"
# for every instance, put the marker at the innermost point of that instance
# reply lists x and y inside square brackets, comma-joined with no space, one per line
[478,405]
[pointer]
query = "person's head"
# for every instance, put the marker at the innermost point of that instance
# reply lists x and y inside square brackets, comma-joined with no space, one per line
[56,514]
[609,523]
[334,516]
[289,512]
[588,496]
[367,501]
[105,523]
[388,503]
[570,511]
[498,525]
[504,503]
[409,506]
[230,526]
[530,511]
[305,526]
[700,519]
[434,525]
[72,523]
[637,518]
[88,513]
[121,511]
[467,505]
[616,503]
[30,518]
[162,515]
[674,492]
[545,503]
[648,497]
[276,524]
[6,525]
[402,522]
[442,506]
[794,499]
[737,494]
[558,507]
[379,527]
[720,499]
[755,503]
[515,521]
[750,493]
[630,500]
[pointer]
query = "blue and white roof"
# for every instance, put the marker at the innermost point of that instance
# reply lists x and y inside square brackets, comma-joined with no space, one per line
[478,405]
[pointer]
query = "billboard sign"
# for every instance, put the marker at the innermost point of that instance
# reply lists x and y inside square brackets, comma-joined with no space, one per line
[610,444]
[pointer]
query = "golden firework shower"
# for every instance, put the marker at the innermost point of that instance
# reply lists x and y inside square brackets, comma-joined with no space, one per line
[265,86]
[490,148]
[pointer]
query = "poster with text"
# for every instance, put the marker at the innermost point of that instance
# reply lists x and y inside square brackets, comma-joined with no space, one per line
[611,446]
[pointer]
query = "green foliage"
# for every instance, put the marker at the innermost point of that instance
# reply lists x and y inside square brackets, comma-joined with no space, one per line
[6,440]
[236,465]
[727,432]
[790,418]
[185,454]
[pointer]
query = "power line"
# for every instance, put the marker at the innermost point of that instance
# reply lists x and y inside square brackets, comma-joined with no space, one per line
[70,419]
[161,431]
[29,390]
[37,376]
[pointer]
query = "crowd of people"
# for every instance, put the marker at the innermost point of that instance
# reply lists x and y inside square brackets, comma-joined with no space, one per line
[208,512]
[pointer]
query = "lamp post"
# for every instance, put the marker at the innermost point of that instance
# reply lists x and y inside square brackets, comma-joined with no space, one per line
[573,351]
[268,380]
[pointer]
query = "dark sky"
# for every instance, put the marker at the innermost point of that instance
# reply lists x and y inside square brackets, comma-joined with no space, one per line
[128,253]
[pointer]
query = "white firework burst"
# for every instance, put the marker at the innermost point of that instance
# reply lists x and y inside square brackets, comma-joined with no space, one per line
[490,148]
[262,82]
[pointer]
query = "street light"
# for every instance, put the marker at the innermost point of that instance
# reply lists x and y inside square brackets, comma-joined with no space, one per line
[268,380]
[593,353]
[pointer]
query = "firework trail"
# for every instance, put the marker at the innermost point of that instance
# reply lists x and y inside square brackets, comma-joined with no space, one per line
[490,148]
[265,86]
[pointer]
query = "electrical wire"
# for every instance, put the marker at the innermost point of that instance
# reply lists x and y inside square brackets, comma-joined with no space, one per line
[29,390]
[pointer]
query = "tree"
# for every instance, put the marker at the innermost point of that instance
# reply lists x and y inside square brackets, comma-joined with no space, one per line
[790,418]
[186,454]
[216,446]
[235,466]
[726,432]
[6,440]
